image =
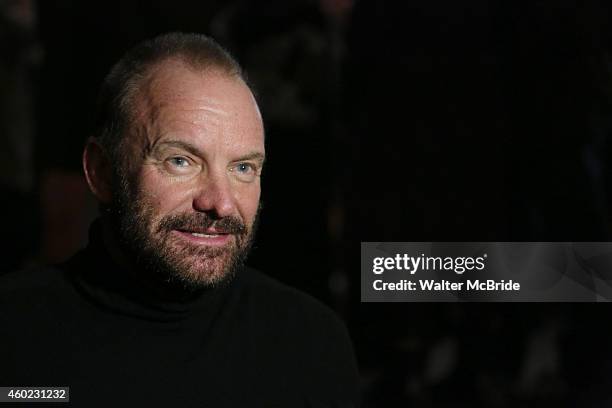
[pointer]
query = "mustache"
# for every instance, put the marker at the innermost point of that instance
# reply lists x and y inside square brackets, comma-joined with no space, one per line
[202,221]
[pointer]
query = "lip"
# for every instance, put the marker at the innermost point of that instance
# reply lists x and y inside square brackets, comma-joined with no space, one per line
[218,240]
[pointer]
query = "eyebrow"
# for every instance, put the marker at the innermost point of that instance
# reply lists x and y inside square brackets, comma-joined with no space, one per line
[252,156]
[181,145]
[194,150]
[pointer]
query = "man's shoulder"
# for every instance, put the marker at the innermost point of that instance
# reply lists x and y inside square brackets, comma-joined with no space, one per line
[300,311]
[305,332]
[29,284]
[280,296]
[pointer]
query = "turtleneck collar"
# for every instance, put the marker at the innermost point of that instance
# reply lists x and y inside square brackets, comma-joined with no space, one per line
[114,287]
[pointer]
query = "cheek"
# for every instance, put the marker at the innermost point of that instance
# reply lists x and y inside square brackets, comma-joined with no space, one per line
[248,202]
[162,195]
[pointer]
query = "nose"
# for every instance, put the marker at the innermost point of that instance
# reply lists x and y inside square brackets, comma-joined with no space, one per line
[215,197]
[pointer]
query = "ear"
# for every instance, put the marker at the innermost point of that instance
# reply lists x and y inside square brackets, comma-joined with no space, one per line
[96,165]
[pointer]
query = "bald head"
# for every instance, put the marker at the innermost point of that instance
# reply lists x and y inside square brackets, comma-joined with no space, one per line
[138,67]
[178,100]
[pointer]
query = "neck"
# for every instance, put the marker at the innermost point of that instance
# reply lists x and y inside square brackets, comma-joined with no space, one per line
[112,245]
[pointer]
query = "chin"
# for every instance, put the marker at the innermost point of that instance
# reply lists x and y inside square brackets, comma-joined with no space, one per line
[203,273]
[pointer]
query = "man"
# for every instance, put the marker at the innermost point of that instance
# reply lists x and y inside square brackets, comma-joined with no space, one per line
[159,310]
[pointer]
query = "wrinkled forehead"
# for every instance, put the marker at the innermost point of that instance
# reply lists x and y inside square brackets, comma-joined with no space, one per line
[174,88]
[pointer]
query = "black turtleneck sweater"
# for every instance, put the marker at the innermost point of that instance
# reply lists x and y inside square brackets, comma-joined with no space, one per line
[255,343]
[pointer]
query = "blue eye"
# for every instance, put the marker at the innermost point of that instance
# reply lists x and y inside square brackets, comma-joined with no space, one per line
[179,161]
[246,172]
[244,167]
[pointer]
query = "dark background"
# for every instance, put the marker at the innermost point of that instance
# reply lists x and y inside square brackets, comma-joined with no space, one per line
[386,121]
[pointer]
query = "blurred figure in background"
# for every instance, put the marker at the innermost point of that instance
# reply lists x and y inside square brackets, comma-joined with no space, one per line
[20,55]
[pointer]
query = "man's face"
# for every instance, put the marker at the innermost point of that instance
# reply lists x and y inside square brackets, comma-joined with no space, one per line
[189,193]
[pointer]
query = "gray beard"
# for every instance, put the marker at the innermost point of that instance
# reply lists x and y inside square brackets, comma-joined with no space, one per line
[157,261]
